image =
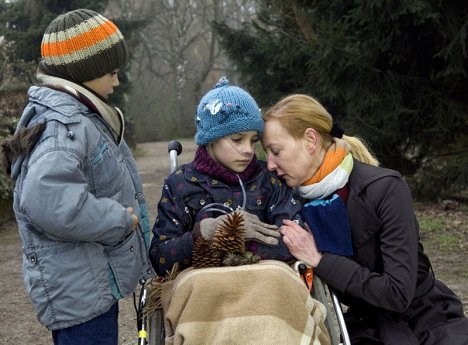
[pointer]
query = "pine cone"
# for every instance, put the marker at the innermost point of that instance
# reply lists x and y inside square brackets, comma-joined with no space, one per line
[204,255]
[154,290]
[229,237]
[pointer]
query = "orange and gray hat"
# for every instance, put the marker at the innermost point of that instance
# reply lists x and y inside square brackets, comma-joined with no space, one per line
[82,45]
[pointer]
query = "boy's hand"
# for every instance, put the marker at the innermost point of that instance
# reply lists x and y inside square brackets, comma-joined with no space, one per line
[134,217]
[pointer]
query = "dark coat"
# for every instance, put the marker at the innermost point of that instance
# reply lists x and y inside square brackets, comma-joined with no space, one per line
[388,284]
[187,191]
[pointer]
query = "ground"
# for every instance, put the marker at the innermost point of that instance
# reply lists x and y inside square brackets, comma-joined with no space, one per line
[444,234]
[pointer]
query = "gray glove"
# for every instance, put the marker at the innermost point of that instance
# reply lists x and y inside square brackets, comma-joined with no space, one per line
[208,226]
[255,229]
[258,231]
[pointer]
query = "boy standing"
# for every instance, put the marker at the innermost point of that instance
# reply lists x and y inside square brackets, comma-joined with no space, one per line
[78,199]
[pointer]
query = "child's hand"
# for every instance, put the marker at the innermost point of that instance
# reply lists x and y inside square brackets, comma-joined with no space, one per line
[134,217]
[208,227]
[256,230]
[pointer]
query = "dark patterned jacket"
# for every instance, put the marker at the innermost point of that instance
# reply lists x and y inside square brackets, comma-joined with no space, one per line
[388,283]
[187,191]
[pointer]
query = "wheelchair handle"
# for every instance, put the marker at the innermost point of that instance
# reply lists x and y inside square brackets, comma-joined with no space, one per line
[174,148]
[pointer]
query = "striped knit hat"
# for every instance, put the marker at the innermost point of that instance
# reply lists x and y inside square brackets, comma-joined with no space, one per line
[82,45]
[226,110]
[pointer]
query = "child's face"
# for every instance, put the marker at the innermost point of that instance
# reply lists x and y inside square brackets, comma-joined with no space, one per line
[104,85]
[235,151]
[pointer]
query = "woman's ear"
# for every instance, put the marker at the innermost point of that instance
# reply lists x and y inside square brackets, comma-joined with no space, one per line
[311,139]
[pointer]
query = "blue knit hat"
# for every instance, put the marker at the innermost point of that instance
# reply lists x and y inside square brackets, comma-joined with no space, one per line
[226,110]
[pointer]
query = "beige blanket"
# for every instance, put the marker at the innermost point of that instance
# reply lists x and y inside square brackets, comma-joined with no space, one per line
[266,303]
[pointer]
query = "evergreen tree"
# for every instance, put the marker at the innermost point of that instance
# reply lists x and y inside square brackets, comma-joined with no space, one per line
[394,73]
[22,25]
[24,22]
[129,28]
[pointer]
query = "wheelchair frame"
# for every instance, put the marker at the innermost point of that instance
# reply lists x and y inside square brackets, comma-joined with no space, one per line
[334,323]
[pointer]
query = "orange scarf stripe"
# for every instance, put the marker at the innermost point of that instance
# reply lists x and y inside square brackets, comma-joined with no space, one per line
[332,159]
[84,40]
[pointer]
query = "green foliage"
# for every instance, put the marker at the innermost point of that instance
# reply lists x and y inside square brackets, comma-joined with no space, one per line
[441,229]
[6,187]
[428,225]
[129,30]
[394,73]
[14,74]
[22,25]
[10,104]
[7,125]
[444,175]
[24,22]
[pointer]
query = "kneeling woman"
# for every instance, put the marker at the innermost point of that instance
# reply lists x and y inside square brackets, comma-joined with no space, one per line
[366,244]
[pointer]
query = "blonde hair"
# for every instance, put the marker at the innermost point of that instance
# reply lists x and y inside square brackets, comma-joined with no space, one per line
[298,112]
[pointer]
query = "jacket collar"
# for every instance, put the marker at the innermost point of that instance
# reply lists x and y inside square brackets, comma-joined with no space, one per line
[207,165]
[363,175]
[111,114]
[193,175]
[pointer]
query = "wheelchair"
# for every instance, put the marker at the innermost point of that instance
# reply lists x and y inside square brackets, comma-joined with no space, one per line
[151,328]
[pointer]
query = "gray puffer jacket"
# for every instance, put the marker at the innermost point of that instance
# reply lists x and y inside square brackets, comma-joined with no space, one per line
[72,190]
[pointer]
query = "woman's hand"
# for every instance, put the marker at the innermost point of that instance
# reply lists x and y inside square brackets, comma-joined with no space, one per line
[300,243]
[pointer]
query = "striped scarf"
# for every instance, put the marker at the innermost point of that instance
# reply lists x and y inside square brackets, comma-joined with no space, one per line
[332,175]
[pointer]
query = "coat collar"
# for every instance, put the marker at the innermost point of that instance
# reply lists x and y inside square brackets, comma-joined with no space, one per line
[205,164]
[193,175]
[364,174]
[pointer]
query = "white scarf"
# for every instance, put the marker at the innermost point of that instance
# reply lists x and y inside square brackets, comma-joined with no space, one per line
[112,115]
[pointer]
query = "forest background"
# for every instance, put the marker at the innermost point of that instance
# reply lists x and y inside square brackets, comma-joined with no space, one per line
[391,72]
[394,73]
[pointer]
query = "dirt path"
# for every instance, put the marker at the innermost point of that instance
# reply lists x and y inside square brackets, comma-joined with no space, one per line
[18,323]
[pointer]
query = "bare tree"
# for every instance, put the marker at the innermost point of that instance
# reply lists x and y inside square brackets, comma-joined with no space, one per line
[178,59]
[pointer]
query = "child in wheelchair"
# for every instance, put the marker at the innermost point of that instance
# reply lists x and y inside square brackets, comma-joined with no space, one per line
[225,202]
[225,176]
